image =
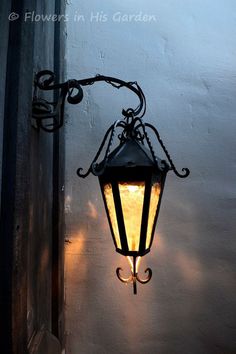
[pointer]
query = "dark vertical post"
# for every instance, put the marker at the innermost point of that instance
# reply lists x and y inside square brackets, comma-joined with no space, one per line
[58,197]
[15,182]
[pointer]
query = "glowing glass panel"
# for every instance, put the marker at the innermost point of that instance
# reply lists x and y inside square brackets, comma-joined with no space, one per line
[155,194]
[132,196]
[112,212]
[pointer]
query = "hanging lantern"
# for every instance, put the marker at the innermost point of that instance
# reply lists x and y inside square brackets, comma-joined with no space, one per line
[132,185]
[132,181]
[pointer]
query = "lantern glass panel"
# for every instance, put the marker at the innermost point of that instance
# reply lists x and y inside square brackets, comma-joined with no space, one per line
[112,212]
[155,194]
[132,197]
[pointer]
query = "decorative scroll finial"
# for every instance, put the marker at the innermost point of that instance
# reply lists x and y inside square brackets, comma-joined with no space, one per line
[134,277]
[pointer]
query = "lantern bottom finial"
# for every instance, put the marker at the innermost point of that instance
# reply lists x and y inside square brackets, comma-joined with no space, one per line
[134,277]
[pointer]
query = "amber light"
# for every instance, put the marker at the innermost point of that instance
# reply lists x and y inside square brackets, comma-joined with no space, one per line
[132,196]
[112,213]
[132,203]
[131,263]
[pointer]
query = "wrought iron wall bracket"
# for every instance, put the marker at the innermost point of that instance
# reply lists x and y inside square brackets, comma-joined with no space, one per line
[49,115]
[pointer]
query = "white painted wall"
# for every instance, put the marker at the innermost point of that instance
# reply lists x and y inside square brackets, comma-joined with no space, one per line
[185,61]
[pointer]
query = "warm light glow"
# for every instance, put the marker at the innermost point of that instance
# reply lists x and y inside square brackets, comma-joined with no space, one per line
[92,211]
[132,196]
[138,260]
[130,259]
[74,251]
[155,193]
[112,212]
[132,188]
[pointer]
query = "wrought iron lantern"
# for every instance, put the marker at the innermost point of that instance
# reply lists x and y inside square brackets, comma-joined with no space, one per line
[131,177]
[132,185]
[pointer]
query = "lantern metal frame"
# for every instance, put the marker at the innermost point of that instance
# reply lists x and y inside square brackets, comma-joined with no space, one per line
[120,217]
[127,171]
[49,116]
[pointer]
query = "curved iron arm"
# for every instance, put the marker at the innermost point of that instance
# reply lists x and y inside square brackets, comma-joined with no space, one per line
[44,110]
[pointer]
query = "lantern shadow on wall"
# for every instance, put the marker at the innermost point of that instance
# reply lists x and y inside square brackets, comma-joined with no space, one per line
[131,176]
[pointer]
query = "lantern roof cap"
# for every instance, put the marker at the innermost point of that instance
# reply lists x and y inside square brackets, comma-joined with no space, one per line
[132,153]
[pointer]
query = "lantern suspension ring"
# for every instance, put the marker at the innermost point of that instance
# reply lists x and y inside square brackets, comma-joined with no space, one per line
[130,174]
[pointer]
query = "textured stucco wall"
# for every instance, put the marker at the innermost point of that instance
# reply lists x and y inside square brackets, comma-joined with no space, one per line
[185,63]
